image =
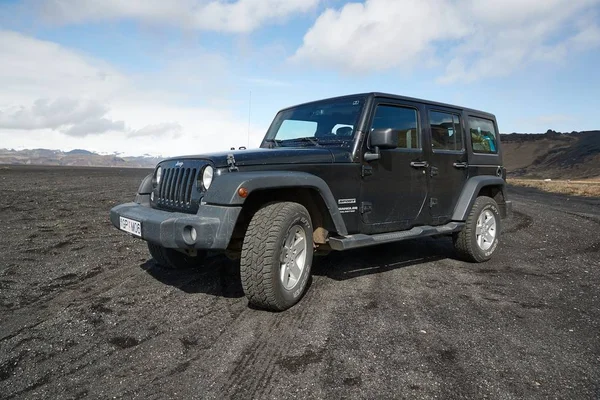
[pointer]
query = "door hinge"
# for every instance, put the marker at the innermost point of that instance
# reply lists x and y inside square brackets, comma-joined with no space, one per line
[433,202]
[366,170]
[365,207]
[434,171]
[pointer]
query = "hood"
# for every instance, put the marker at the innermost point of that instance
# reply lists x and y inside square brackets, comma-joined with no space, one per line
[281,155]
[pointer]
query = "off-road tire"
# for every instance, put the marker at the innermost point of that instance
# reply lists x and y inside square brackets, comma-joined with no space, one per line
[465,241]
[173,259]
[261,254]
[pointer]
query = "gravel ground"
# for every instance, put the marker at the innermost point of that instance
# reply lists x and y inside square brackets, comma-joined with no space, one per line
[85,314]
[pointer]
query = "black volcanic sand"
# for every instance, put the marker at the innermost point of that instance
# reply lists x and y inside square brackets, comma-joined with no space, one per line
[85,314]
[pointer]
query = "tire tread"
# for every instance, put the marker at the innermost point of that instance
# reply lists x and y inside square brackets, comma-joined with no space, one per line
[258,250]
[463,242]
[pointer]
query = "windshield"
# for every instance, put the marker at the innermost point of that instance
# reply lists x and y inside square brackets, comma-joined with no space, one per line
[330,122]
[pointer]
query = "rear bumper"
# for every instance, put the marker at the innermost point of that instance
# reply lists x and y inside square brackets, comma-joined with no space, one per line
[506,209]
[214,225]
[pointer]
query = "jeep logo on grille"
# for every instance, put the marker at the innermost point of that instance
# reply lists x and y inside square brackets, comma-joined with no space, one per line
[179,164]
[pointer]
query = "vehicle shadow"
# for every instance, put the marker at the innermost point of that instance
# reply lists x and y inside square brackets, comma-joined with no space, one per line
[221,276]
[218,277]
[386,257]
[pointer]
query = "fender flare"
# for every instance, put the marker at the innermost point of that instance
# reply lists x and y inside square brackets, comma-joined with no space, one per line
[143,193]
[469,194]
[224,190]
[146,185]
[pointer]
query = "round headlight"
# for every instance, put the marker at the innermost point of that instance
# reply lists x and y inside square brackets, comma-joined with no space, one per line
[207,176]
[158,175]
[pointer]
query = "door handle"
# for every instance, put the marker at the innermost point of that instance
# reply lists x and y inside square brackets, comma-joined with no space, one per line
[419,164]
[460,165]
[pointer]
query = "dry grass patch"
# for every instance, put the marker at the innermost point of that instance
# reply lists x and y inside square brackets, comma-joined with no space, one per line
[588,188]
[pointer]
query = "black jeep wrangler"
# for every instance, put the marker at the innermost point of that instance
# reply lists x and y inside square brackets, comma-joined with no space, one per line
[334,174]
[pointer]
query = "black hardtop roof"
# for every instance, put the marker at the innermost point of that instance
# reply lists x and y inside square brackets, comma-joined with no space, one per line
[398,97]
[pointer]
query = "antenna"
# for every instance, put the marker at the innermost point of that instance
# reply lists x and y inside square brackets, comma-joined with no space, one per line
[249,116]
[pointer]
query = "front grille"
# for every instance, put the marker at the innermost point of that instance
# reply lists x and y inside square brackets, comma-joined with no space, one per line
[176,189]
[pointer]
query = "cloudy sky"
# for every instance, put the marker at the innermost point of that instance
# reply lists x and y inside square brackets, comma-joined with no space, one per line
[176,77]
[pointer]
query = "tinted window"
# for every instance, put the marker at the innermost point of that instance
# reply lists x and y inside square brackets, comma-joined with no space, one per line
[342,130]
[483,135]
[291,129]
[402,119]
[446,132]
[328,122]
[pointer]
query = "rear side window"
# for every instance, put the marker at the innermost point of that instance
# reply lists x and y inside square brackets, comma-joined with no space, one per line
[403,119]
[446,131]
[483,136]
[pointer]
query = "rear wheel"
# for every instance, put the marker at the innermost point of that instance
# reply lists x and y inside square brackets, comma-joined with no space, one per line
[479,239]
[277,256]
[173,259]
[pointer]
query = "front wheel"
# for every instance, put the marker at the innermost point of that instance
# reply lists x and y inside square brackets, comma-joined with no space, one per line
[173,259]
[479,239]
[277,255]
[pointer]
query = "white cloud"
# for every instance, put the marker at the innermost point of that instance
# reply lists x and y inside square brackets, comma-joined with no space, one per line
[473,38]
[171,129]
[213,15]
[33,69]
[70,116]
[57,98]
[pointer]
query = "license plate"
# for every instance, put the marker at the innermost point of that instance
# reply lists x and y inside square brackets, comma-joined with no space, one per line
[131,226]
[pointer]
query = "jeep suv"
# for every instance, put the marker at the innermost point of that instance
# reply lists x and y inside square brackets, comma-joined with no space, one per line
[335,174]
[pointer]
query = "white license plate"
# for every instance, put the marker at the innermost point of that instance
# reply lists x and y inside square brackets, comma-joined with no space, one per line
[131,226]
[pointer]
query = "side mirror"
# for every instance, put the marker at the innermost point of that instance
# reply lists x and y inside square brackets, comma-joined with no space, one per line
[382,139]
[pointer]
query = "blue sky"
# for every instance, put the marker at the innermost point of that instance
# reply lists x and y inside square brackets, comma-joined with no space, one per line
[169,78]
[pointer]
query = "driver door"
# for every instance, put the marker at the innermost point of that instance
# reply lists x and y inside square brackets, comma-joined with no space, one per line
[395,187]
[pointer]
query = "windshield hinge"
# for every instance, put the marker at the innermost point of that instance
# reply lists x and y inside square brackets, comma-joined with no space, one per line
[366,170]
[231,163]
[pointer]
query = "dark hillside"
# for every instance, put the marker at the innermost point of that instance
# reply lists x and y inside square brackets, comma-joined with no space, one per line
[553,155]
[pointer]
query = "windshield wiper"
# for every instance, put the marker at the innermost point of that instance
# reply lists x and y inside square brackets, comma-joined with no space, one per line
[308,139]
[273,141]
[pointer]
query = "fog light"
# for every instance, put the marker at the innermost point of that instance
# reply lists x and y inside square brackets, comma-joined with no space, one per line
[190,235]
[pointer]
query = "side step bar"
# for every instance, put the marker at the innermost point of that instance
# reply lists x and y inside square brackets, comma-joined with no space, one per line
[362,240]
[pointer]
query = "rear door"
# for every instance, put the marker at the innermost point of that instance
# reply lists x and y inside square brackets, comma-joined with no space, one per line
[394,188]
[447,157]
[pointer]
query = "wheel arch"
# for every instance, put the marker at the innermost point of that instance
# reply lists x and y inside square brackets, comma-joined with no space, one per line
[272,186]
[146,185]
[490,186]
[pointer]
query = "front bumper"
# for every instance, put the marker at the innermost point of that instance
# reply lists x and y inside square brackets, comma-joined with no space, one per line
[214,225]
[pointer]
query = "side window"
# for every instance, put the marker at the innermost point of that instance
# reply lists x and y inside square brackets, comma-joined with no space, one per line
[403,119]
[446,131]
[483,135]
[292,129]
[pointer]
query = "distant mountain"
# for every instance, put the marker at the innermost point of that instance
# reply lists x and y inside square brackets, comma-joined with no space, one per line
[554,155]
[77,157]
[79,152]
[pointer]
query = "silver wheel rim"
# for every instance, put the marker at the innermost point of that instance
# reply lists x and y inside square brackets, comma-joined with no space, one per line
[485,232]
[293,257]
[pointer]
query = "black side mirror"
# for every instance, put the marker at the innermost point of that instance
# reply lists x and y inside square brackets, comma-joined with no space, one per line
[382,139]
